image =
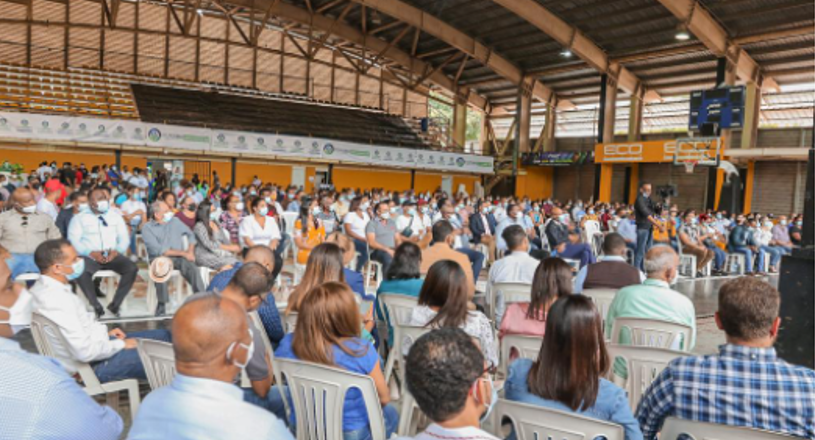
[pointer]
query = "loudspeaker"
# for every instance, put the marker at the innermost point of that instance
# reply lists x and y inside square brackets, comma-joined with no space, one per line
[796,339]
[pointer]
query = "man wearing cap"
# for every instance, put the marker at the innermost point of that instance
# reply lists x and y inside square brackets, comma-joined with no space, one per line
[164,236]
[22,229]
[100,236]
[48,204]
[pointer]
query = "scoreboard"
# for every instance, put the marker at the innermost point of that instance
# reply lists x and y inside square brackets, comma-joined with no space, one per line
[724,106]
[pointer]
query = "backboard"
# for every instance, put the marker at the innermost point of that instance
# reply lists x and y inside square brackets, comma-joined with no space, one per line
[698,151]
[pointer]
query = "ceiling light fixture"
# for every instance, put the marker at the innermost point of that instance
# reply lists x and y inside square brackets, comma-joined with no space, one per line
[566,53]
[682,33]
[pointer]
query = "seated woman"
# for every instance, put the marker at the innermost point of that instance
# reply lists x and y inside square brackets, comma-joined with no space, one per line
[352,277]
[308,231]
[187,212]
[258,229]
[568,374]
[404,277]
[443,302]
[213,249]
[552,281]
[327,333]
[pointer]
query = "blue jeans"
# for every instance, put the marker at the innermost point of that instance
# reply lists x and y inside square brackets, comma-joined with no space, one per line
[126,364]
[391,424]
[775,257]
[272,403]
[361,247]
[383,258]
[578,251]
[645,239]
[719,256]
[748,256]
[22,263]
[476,260]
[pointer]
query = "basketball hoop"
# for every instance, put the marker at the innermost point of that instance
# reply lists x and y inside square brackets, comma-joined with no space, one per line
[690,165]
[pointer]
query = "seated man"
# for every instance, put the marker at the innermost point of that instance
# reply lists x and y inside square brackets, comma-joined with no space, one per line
[382,236]
[653,299]
[565,240]
[781,235]
[611,271]
[212,347]
[741,241]
[77,202]
[444,236]
[482,225]
[689,235]
[112,354]
[446,374]
[48,202]
[22,229]
[248,288]
[269,315]
[101,238]
[516,217]
[462,243]
[745,384]
[515,267]
[164,237]
[627,228]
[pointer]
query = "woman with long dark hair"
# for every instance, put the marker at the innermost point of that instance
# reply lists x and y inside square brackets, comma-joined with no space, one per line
[308,230]
[187,212]
[327,333]
[232,216]
[568,374]
[443,302]
[213,247]
[552,281]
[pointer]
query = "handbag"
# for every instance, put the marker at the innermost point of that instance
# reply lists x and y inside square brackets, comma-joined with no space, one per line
[407,232]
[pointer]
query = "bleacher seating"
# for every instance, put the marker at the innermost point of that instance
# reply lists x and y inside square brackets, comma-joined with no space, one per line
[287,117]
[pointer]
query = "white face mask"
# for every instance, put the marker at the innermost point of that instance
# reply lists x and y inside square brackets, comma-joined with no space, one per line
[29,209]
[19,314]
[518,215]
[167,216]
[250,351]
[493,397]
[385,215]
[239,206]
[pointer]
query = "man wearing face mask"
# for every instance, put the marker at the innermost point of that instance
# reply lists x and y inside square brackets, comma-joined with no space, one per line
[741,241]
[112,354]
[77,202]
[517,217]
[248,287]
[214,343]
[382,235]
[646,220]
[165,236]
[134,212]
[689,237]
[781,235]
[22,229]
[446,374]
[101,237]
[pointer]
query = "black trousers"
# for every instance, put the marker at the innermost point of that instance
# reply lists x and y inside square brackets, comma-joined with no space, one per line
[121,265]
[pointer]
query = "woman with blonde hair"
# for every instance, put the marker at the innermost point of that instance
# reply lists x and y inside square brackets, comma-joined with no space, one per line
[327,333]
[324,265]
[352,277]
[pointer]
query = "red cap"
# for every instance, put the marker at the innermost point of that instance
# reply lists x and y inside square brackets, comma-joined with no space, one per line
[53,185]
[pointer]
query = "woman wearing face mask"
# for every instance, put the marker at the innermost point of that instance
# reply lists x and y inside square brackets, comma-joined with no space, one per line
[354,224]
[213,247]
[327,333]
[187,213]
[231,218]
[568,374]
[308,230]
[258,228]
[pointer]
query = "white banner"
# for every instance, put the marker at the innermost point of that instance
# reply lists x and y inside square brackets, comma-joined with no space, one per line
[125,132]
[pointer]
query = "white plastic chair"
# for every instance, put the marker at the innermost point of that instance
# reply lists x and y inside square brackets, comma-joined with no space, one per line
[602,300]
[24,278]
[374,267]
[675,428]
[290,218]
[652,333]
[141,249]
[531,422]
[158,359]
[206,274]
[397,309]
[527,347]
[512,293]
[735,263]
[590,228]
[181,288]
[574,264]
[318,393]
[43,329]
[643,366]
[270,350]
[596,243]
[289,321]
[410,413]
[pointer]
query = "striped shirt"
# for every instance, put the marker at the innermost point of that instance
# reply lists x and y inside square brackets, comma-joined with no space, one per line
[741,386]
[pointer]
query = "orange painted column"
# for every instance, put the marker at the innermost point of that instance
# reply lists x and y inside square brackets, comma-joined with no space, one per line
[749,182]
[634,183]
[606,171]
[719,184]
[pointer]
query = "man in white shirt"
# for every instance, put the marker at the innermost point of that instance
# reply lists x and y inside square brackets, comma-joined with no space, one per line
[101,238]
[627,227]
[409,219]
[134,212]
[112,354]
[212,346]
[516,267]
[447,376]
[126,174]
[139,179]
[43,170]
[48,204]
[517,217]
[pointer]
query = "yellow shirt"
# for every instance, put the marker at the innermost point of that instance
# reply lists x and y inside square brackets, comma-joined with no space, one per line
[670,231]
[314,236]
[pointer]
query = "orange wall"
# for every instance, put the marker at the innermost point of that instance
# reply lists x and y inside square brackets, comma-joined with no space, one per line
[30,158]
[427,182]
[224,170]
[361,178]
[536,184]
[279,174]
[468,181]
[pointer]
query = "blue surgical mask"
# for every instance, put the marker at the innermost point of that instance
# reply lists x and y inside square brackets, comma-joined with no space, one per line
[168,216]
[493,400]
[102,206]
[213,215]
[77,268]
[84,207]
[316,210]
[799,223]
[263,211]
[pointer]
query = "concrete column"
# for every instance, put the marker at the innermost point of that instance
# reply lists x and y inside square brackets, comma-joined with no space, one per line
[752,109]
[460,123]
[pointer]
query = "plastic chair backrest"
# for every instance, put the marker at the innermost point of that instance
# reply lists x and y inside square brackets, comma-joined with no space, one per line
[290,321]
[532,422]
[513,292]
[652,333]
[589,229]
[158,359]
[602,300]
[527,347]
[408,335]
[45,332]
[318,393]
[678,429]
[643,365]
[290,218]
[255,317]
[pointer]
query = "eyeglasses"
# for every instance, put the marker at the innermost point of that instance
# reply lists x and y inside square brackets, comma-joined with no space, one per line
[25,221]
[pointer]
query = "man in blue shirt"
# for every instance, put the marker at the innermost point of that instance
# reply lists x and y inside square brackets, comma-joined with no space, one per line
[213,345]
[746,384]
[269,315]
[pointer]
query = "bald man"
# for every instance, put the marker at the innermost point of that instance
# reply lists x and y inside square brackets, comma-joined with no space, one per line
[212,346]
[22,229]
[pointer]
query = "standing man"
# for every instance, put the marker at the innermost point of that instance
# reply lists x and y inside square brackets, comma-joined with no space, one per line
[646,220]
[100,236]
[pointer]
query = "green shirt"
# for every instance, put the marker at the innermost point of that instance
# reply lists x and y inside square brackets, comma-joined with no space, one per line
[653,299]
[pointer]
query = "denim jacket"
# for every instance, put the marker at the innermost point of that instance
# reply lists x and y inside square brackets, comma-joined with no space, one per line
[611,405]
